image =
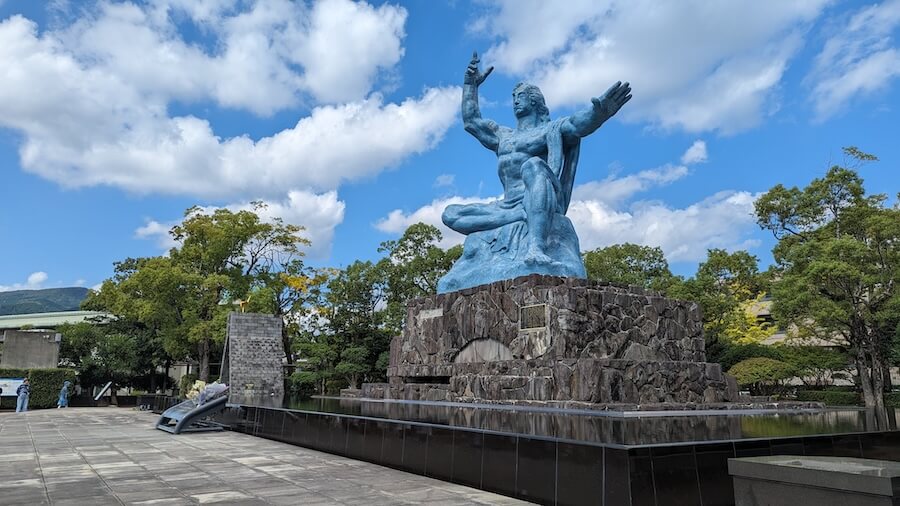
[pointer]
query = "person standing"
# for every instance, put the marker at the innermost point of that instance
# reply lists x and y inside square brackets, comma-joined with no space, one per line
[23,392]
[63,401]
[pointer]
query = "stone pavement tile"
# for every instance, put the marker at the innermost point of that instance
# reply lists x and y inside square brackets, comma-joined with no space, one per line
[12,482]
[162,502]
[303,498]
[221,496]
[25,496]
[150,495]
[114,456]
[102,500]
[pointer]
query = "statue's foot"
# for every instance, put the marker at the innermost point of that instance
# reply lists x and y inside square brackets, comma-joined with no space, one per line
[535,256]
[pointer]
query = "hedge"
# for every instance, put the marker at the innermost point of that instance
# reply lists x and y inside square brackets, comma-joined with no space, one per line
[45,384]
[830,397]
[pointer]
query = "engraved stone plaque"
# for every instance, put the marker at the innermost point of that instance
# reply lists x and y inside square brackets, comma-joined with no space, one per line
[427,314]
[533,317]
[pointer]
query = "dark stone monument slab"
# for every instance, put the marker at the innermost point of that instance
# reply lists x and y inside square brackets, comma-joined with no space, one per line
[254,358]
[826,481]
[552,339]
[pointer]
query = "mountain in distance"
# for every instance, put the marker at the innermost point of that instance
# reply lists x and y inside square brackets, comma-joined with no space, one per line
[47,300]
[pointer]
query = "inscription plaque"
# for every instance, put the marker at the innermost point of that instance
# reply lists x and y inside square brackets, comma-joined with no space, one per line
[533,317]
[427,314]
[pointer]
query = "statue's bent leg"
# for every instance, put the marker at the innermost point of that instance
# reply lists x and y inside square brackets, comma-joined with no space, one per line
[540,205]
[470,218]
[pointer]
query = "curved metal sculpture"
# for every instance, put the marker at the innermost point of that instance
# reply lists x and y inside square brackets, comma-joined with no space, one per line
[189,417]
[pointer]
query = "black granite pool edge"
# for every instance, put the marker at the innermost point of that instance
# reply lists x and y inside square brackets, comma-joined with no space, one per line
[546,470]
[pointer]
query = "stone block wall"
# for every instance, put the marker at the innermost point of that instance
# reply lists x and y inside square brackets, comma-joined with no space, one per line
[553,340]
[255,356]
[552,318]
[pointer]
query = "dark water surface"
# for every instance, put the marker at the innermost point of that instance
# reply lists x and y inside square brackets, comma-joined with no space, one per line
[636,428]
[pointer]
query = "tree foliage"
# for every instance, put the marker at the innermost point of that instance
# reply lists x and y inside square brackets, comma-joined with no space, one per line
[838,265]
[184,298]
[725,286]
[631,264]
[763,376]
[412,268]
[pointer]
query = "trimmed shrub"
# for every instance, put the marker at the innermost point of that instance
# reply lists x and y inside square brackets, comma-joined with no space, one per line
[45,384]
[729,355]
[764,376]
[892,399]
[832,397]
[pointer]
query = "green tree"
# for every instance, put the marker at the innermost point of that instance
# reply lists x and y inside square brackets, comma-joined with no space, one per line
[744,326]
[184,298]
[763,376]
[838,265]
[412,268]
[631,264]
[724,283]
[100,353]
[816,366]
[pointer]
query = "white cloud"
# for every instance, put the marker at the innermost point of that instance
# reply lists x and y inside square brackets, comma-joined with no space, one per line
[693,65]
[262,57]
[615,190]
[34,282]
[723,220]
[159,232]
[695,154]
[319,214]
[860,58]
[444,180]
[94,111]
[606,212]
[397,221]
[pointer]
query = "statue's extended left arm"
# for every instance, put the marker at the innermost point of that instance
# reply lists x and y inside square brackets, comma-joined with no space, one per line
[585,122]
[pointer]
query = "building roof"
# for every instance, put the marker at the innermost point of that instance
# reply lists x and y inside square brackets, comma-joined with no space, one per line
[47,320]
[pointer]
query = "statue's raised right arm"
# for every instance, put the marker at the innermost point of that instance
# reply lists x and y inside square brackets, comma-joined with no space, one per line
[587,121]
[484,130]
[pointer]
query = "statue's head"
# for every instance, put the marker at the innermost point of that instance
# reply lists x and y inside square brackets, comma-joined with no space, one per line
[527,98]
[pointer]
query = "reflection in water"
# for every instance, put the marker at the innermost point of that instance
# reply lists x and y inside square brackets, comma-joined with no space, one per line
[613,428]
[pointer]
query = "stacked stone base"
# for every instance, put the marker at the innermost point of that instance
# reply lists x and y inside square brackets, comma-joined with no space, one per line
[552,340]
[596,381]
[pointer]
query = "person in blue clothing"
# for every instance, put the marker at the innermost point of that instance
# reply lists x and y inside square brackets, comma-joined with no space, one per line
[23,392]
[63,401]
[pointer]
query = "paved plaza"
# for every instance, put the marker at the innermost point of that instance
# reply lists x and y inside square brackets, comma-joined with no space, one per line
[98,456]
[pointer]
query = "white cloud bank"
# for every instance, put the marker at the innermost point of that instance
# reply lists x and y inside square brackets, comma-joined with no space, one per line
[859,58]
[35,281]
[319,214]
[92,100]
[605,212]
[85,125]
[695,65]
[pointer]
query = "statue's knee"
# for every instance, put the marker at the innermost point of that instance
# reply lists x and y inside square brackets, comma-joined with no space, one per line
[451,214]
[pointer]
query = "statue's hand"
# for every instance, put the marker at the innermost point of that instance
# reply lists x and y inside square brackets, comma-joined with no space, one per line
[473,75]
[613,100]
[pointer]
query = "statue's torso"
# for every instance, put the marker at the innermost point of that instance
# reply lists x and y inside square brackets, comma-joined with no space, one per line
[514,149]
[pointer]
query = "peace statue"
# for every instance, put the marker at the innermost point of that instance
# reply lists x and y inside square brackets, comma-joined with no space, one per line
[527,231]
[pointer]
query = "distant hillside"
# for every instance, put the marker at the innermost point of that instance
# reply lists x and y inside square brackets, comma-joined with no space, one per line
[42,301]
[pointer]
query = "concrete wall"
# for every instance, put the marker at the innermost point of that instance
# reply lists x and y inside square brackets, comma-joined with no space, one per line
[255,356]
[24,349]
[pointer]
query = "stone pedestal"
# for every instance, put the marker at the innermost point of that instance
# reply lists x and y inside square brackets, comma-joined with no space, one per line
[546,338]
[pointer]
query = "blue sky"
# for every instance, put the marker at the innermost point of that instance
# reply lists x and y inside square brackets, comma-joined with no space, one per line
[343,116]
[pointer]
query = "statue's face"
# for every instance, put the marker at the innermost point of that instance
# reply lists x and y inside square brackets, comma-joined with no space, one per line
[522,103]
